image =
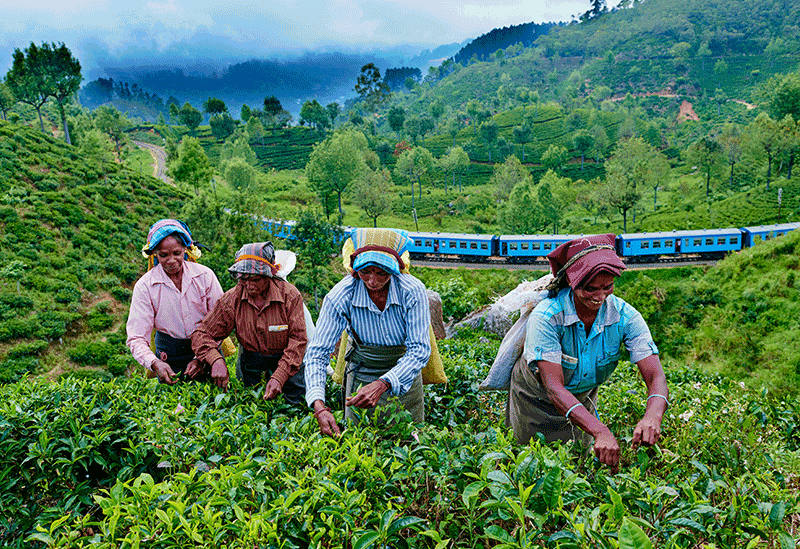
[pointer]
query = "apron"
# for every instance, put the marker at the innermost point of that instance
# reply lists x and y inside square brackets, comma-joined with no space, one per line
[529,411]
[251,368]
[366,363]
[179,351]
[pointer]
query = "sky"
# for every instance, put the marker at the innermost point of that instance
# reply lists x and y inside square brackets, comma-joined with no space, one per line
[101,32]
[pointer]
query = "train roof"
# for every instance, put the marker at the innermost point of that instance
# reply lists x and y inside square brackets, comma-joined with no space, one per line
[775,227]
[564,237]
[680,234]
[453,236]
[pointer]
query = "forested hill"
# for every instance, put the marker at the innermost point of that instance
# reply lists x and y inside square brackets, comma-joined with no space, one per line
[487,45]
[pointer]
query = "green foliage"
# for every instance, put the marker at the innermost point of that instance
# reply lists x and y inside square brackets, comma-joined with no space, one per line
[92,352]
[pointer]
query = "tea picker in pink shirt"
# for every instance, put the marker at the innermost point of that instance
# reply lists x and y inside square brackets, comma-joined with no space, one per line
[171,298]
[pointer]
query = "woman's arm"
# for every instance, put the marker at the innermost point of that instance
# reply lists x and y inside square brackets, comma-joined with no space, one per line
[606,447]
[648,430]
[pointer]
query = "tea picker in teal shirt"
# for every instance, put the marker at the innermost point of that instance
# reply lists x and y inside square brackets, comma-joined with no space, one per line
[572,347]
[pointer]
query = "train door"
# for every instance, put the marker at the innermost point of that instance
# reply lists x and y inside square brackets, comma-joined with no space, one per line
[504,251]
[436,246]
[677,245]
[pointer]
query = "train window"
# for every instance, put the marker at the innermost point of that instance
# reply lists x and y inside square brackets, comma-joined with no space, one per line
[778,234]
[418,243]
[473,245]
[721,241]
[709,241]
[668,243]
[698,241]
[463,245]
[453,244]
[535,246]
[513,245]
[484,246]
[548,246]
[628,244]
[656,244]
[734,240]
[428,243]
[645,245]
[524,245]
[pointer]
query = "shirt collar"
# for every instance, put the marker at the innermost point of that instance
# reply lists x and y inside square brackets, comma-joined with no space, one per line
[273,293]
[608,313]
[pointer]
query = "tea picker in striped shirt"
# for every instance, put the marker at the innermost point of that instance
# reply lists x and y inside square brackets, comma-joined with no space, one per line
[386,315]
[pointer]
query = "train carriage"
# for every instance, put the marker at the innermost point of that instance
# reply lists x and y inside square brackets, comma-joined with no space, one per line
[529,247]
[705,243]
[754,235]
[470,247]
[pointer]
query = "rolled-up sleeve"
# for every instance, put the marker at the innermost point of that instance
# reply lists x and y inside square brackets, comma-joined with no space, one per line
[541,340]
[330,325]
[637,338]
[140,326]
[216,326]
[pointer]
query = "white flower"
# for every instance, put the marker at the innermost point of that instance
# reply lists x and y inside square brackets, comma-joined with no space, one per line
[741,384]
[687,415]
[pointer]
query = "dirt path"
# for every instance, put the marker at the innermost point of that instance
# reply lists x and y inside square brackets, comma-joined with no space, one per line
[159,160]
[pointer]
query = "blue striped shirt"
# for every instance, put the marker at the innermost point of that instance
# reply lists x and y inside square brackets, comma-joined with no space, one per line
[556,334]
[405,320]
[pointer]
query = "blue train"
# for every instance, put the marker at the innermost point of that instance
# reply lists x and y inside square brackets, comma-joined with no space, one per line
[633,247]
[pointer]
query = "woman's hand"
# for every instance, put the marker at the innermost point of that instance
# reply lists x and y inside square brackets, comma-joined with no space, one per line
[647,432]
[219,374]
[164,372]
[606,448]
[368,395]
[327,423]
[272,389]
[194,368]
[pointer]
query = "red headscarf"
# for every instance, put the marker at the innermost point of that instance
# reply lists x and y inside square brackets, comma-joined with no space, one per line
[578,261]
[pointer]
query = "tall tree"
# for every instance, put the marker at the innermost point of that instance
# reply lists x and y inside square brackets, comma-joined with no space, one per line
[489,132]
[222,126]
[372,193]
[731,141]
[213,106]
[783,94]
[396,118]
[457,161]
[762,136]
[521,214]
[634,166]
[315,115]
[316,240]
[371,87]
[190,117]
[334,164]
[333,112]
[706,153]
[523,135]
[412,165]
[554,157]
[507,175]
[7,100]
[583,141]
[192,166]
[114,123]
[29,78]
[65,74]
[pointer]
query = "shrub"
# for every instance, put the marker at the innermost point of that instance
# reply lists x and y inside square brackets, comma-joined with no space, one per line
[68,294]
[121,293]
[28,349]
[92,352]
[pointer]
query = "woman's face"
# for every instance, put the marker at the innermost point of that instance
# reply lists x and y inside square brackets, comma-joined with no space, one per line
[170,255]
[592,294]
[255,285]
[374,278]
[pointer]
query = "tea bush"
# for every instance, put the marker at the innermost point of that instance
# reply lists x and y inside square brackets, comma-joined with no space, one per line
[92,352]
[123,463]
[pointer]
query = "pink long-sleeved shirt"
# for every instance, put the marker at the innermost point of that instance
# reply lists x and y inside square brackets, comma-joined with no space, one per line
[157,304]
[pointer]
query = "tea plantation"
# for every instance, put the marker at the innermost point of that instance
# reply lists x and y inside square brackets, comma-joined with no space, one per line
[99,459]
[130,463]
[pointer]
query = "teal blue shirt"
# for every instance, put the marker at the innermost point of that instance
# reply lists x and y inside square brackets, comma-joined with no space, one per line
[556,334]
